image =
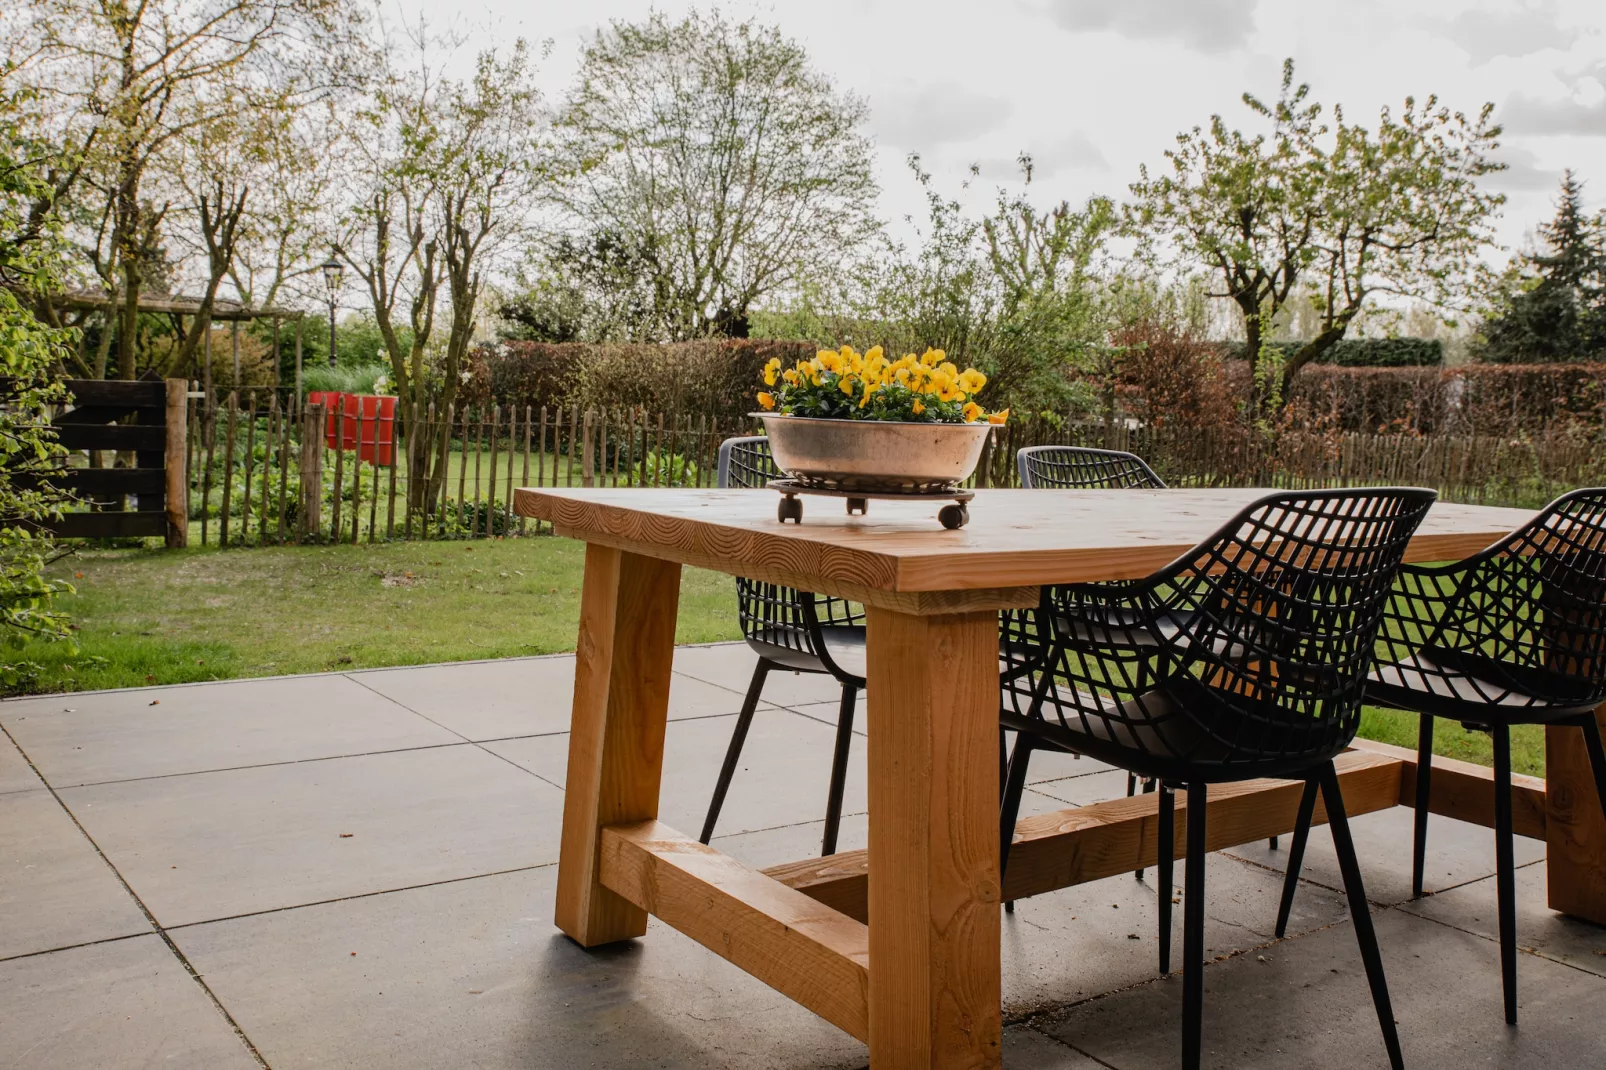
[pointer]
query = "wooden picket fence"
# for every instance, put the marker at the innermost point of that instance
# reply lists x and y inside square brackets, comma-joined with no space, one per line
[261,472]
[258,477]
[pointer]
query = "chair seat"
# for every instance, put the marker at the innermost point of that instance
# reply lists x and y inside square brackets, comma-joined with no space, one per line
[844,645]
[1121,628]
[1444,684]
[1151,735]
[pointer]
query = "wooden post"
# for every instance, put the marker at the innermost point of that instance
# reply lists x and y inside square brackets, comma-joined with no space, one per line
[528,412]
[312,423]
[206,363]
[935,976]
[284,464]
[176,499]
[356,479]
[234,341]
[490,505]
[628,606]
[275,358]
[299,320]
[1575,830]
[228,469]
[250,459]
[268,443]
[339,409]
[588,453]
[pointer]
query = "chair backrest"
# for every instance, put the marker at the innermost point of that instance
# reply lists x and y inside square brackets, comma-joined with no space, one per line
[1272,625]
[746,462]
[1527,613]
[769,613]
[1083,468]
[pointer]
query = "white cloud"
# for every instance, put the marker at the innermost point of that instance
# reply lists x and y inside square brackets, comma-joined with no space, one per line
[923,118]
[1210,26]
[1484,33]
[1522,174]
[1524,116]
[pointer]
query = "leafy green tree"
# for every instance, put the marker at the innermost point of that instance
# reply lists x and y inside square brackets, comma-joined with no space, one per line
[1551,304]
[1332,213]
[31,254]
[737,170]
[447,170]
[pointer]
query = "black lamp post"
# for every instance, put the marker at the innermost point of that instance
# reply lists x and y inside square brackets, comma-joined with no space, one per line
[332,271]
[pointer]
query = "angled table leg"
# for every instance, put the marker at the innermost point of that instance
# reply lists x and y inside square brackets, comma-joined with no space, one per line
[626,647]
[935,987]
[1575,831]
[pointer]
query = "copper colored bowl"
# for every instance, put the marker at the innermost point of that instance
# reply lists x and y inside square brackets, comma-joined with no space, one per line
[874,455]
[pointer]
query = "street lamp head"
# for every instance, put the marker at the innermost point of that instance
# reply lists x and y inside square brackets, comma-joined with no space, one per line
[332,271]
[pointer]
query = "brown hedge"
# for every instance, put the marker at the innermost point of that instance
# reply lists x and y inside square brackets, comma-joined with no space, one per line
[717,377]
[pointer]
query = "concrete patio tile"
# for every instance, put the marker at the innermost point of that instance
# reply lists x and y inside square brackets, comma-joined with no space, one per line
[128,1004]
[474,974]
[120,735]
[730,665]
[55,890]
[1305,1003]
[1027,1049]
[1098,786]
[519,696]
[1578,943]
[783,778]
[1457,852]
[212,845]
[14,772]
[1094,938]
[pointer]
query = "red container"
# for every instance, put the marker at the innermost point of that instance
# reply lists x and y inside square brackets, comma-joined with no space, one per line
[362,422]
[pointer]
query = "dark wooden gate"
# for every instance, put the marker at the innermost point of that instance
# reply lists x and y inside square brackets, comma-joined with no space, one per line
[145,418]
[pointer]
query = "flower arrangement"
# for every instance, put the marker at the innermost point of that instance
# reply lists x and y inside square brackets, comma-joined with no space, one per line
[845,385]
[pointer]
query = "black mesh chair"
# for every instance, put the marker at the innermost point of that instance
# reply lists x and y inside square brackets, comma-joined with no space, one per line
[1074,468]
[1513,635]
[1244,658]
[790,629]
[1083,468]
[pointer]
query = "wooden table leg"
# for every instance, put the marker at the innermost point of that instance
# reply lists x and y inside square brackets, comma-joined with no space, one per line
[935,987]
[1575,830]
[625,652]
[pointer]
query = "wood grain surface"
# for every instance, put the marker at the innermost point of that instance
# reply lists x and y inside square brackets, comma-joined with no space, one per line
[616,740]
[791,942]
[1016,538]
[933,908]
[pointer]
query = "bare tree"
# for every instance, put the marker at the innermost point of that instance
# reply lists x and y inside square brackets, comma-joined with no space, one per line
[131,77]
[736,170]
[450,169]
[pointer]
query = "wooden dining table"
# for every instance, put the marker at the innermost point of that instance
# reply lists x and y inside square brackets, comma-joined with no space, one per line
[899,945]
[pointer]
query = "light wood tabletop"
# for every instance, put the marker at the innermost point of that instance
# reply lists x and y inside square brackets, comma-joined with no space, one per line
[910,962]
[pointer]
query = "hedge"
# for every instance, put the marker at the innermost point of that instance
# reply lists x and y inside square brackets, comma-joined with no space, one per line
[1361,352]
[717,377]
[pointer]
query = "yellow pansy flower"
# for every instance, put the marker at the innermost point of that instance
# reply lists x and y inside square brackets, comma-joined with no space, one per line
[933,357]
[973,412]
[971,380]
[999,417]
[918,407]
[770,371]
[868,392]
[766,399]
[846,385]
[828,361]
[791,376]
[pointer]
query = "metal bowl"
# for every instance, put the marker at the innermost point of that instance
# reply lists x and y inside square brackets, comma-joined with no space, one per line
[874,455]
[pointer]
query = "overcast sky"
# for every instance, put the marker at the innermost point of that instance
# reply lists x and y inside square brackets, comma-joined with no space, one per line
[1094,88]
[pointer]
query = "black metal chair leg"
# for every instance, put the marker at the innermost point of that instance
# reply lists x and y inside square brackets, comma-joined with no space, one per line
[1009,805]
[1193,920]
[733,752]
[1360,911]
[839,768]
[1296,852]
[1167,840]
[1505,869]
[1424,779]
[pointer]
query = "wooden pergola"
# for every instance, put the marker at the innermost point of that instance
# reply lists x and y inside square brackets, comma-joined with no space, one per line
[223,310]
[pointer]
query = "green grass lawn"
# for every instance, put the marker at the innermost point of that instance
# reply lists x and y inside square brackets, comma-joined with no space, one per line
[162,617]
